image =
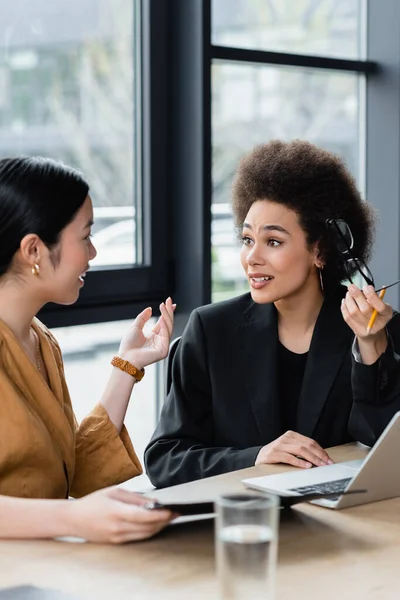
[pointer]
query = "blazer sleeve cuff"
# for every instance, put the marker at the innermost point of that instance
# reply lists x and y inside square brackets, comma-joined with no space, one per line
[246,458]
[372,383]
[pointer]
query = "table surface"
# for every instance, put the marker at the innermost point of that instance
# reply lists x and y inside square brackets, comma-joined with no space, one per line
[353,553]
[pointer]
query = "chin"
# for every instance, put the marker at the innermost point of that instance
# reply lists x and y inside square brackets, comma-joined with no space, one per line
[66,299]
[263,297]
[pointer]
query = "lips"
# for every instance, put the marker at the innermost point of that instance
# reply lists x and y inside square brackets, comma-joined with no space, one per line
[83,275]
[259,280]
[84,272]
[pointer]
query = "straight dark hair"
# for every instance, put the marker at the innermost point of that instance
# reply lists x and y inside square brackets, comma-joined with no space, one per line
[37,195]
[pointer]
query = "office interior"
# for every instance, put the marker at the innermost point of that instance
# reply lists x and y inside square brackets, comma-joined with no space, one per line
[156,101]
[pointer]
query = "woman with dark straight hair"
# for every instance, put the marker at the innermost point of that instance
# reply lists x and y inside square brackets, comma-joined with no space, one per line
[46,216]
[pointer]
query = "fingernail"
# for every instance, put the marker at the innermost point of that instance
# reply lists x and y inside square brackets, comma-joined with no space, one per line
[330,462]
[308,465]
[352,288]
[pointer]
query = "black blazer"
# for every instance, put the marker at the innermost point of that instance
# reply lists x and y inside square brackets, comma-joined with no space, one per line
[224,405]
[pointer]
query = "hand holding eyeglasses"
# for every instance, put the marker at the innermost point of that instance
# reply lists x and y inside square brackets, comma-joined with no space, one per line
[364,311]
[357,308]
[344,242]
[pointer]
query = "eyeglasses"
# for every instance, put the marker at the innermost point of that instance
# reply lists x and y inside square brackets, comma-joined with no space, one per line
[344,241]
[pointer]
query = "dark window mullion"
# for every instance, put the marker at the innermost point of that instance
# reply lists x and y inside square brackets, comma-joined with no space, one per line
[292,60]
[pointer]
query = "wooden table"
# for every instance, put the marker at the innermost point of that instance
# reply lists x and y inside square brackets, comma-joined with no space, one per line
[348,554]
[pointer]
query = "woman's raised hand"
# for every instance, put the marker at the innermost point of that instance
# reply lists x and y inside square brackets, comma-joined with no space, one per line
[142,349]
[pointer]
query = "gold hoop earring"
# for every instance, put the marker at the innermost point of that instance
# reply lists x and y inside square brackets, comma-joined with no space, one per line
[35,269]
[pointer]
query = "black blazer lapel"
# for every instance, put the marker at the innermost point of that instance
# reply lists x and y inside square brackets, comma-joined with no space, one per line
[330,344]
[258,340]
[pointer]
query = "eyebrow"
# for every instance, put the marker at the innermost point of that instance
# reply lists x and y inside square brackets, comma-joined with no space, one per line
[89,224]
[267,228]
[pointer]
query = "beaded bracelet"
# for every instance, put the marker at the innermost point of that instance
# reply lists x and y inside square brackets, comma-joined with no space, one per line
[126,366]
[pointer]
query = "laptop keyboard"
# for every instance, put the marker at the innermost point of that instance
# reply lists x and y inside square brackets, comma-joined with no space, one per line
[328,487]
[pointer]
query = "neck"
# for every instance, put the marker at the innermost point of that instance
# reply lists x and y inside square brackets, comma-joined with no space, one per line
[300,311]
[18,308]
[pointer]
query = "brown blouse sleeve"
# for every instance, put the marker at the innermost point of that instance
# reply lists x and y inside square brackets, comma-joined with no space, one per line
[103,456]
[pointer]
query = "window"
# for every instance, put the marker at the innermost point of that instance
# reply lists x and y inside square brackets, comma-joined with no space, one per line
[319,27]
[74,87]
[258,95]
[69,94]
[77,85]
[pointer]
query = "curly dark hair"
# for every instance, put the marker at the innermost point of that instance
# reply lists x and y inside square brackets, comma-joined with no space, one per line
[316,185]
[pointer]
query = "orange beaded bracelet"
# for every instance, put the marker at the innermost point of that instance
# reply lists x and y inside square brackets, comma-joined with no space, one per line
[126,366]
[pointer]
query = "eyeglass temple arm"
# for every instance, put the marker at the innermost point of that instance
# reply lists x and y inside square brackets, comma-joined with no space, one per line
[385,287]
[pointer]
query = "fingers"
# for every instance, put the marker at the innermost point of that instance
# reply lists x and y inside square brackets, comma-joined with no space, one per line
[141,516]
[131,508]
[357,302]
[134,534]
[358,306]
[307,454]
[355,309]
[128,497]
[289,459]
[167,311]
[307,448]
[138,501]
[143,317]
[376,302]
[157,327]
[294,449]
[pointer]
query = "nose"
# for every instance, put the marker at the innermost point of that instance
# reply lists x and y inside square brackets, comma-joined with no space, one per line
[92,251]
[255,256]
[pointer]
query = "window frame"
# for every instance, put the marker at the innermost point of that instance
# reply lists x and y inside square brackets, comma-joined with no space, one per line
[115,293]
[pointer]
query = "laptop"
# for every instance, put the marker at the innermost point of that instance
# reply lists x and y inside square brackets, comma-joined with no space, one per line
[378,475]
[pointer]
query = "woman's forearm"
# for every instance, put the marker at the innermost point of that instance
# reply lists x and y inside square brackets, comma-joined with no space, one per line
[116,396]
[26,518]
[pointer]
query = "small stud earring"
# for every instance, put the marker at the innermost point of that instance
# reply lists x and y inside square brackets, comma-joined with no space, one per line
[35,269]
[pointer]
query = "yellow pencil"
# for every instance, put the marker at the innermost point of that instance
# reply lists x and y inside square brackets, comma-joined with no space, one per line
[375,313]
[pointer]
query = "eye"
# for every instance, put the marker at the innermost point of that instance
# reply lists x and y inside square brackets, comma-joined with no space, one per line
[88,237]
[273,243]
[246,241]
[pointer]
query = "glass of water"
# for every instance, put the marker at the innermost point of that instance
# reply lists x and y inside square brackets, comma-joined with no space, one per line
[246,546]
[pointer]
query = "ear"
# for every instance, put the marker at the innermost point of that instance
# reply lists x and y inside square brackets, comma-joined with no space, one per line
[31,249]
[318,260]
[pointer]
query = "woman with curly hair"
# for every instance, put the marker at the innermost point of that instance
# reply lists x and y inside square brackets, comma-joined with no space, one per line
[273,376]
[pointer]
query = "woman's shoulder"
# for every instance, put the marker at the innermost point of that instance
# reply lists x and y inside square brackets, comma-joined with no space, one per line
[232,306]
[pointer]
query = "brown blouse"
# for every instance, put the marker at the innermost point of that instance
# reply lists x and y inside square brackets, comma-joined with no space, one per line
[43,451]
